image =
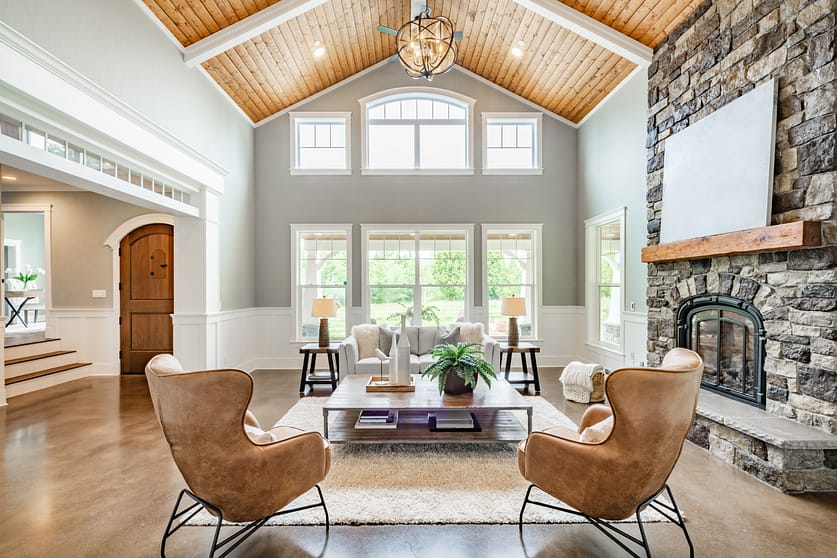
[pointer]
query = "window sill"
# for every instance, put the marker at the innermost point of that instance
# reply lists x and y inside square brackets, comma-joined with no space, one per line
[513,171]
[429,172]
[344,172]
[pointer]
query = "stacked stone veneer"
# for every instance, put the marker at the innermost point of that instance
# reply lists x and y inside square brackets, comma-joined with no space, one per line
[725,49]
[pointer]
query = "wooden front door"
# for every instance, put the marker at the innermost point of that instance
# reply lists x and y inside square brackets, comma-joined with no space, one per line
[146,291]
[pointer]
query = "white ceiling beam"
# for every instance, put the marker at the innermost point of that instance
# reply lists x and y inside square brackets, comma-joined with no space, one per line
[591,29]
[245,29]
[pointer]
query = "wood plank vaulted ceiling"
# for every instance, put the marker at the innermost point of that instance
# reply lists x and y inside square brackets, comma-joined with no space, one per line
[560,70]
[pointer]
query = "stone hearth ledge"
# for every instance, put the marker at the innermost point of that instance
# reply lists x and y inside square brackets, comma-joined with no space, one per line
[776,431]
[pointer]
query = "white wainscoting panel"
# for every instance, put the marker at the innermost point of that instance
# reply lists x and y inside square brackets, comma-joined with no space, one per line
[92,332]
[635,331]
[561,331]
[636,337]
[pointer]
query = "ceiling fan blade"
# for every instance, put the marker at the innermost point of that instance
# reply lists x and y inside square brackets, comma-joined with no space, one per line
[387,30]
[457,36]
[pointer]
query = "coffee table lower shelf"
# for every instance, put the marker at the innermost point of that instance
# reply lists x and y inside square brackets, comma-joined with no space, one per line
[496,426]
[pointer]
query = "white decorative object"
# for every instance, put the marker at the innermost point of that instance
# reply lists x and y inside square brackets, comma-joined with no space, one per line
[583,383]
[718,174]
[402,375]
[393,363]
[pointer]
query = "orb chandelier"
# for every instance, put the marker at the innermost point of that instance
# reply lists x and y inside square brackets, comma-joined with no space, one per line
[425,46]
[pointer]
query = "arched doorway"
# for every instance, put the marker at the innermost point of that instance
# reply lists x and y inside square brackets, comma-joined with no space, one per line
[146,294]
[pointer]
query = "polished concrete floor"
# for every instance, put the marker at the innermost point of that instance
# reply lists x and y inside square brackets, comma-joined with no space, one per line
[86,472]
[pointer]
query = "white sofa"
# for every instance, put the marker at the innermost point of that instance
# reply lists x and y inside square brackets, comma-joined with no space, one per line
[361,360]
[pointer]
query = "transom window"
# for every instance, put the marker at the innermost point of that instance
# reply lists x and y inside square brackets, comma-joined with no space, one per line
[322,266]
[320,143]
[511,269]
[511,143]
[423,272]
[417,130]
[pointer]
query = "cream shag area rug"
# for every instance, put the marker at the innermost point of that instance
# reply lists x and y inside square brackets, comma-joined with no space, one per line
[396,484]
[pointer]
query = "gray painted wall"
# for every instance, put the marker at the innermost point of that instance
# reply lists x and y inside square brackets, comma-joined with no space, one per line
[81,222]
[121,49]
[611,174]
[28,228]
[282,199]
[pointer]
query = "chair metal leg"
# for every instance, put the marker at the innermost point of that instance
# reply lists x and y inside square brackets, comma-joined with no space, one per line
[611,530]
[235,538]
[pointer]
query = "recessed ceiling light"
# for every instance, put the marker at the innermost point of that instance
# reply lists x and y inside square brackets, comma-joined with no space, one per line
[319,50]
[9,178]
[517,50]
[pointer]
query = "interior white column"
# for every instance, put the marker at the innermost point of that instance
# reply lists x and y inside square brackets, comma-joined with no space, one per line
[196,283]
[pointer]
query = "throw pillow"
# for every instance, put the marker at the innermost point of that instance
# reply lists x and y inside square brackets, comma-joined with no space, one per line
[388,337]
[471,333]
[598,432]
[257,435]
[367,337]
[426,339]
[448,337]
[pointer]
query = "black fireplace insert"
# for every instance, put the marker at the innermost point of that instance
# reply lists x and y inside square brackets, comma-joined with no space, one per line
[729,335]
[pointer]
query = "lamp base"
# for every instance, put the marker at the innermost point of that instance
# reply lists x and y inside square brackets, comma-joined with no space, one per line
[514,334]
[324,340]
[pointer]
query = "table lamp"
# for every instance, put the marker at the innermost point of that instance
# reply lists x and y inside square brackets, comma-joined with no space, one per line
[324,308]
[513,307]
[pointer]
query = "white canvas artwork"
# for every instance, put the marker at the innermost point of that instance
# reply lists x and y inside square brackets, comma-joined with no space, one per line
[718,172]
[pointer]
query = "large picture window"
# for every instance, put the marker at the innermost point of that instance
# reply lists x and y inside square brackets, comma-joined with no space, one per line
[322,267]
[604,254]
[423,272]
[511,268]
[417,130]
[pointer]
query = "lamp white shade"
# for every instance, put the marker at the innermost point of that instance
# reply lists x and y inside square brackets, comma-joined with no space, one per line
[324,307]
[513,306]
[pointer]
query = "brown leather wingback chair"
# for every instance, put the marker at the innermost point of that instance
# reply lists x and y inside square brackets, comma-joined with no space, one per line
[619,460]
[232,468]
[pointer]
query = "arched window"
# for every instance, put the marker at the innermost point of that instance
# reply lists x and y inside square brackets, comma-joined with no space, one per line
[417,130]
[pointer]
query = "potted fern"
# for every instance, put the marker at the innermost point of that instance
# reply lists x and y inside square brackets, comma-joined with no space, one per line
[458,368]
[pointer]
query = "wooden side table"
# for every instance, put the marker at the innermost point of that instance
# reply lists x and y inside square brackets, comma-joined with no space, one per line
[310,375]
[523,348]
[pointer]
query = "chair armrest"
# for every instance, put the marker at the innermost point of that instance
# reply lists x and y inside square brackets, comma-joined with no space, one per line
[562,467]
[594,414]
[347,355]
[301,461]
[491,351]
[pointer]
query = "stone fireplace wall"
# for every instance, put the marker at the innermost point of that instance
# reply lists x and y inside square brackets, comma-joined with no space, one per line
[725,49]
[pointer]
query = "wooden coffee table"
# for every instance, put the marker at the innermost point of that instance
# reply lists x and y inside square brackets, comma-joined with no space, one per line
[492,407]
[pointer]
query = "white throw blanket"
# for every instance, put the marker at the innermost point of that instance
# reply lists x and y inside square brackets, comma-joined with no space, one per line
[580,374]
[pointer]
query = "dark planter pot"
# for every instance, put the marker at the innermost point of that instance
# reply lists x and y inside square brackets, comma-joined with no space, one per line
[455,385]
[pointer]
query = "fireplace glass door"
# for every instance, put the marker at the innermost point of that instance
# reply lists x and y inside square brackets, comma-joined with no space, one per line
[730,341]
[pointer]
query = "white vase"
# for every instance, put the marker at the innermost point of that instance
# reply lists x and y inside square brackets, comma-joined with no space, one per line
[402,377]
[393,361]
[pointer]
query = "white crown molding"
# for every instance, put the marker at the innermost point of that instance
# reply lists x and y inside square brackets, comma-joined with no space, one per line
[160,25]
[28,67]
[610,95]
[591,29]
[515,96]
[325,91]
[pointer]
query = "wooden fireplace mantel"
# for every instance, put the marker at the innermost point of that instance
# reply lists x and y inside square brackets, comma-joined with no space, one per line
[787,236]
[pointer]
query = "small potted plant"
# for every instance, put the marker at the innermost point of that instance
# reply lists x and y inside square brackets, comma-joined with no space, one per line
[458,368]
